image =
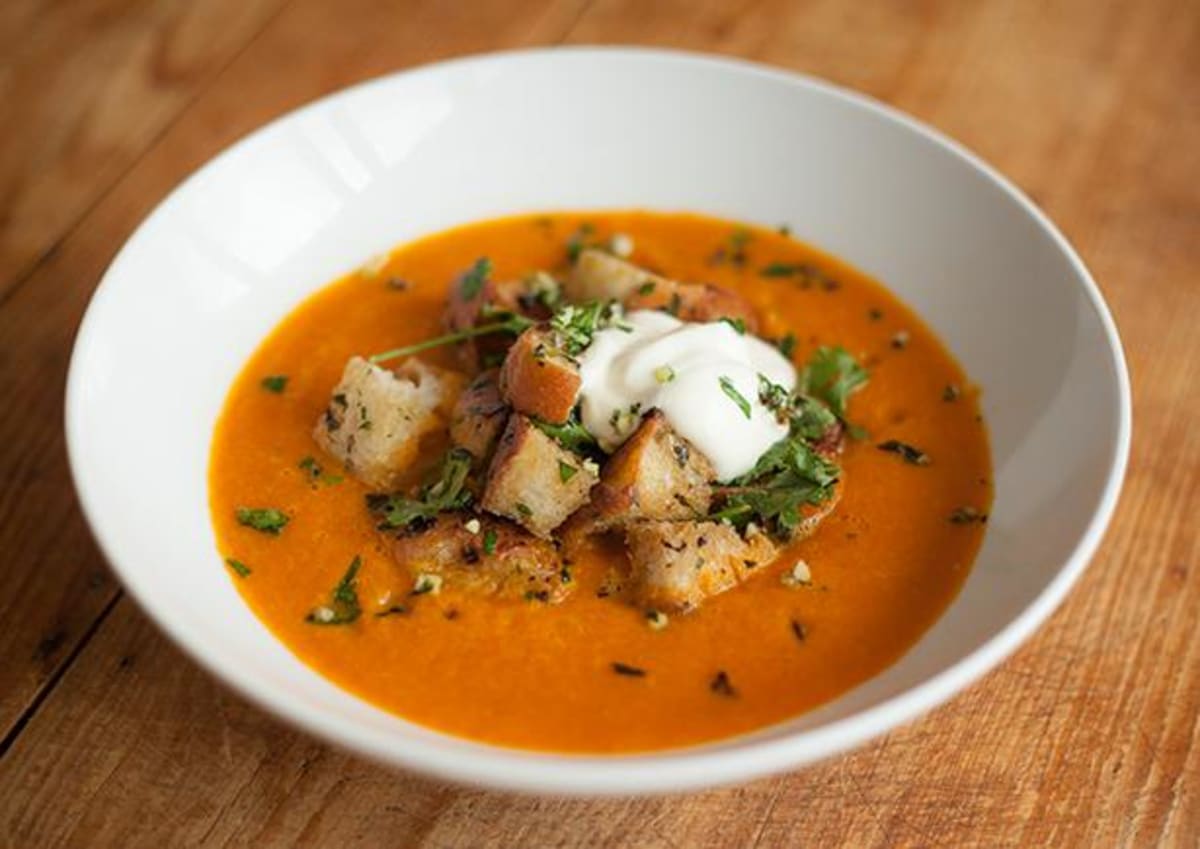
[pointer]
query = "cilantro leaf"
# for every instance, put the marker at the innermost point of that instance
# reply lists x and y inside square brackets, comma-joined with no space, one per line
[471,283]
[730,390]
[343,607]
[832,376]
[274,383]
[446,492]
[265,519]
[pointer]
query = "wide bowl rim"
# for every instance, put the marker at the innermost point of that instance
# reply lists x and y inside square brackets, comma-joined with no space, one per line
[671,770]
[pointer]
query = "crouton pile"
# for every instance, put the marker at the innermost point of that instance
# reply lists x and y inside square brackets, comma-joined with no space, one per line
[524,475]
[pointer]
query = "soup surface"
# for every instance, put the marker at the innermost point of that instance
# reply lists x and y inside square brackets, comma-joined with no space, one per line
[883,566]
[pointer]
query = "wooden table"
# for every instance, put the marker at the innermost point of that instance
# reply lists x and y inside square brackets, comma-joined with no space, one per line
[1089,736]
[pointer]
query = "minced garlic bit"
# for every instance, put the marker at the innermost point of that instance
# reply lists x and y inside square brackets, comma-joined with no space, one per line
[472,526]
[323,615]
[657,619]
[752,530]
[621,245]
[427,583]
[374,265]
[591,466]
[798,576]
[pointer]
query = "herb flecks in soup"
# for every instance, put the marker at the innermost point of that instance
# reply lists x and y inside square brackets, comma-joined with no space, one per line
[605,483]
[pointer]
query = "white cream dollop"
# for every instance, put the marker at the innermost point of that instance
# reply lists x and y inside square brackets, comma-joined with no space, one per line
[677,367]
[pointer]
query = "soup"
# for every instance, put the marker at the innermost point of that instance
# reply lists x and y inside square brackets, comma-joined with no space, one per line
[572,665]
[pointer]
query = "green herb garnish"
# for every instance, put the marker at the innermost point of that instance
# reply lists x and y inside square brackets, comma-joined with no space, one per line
[240,568]
[343,607]
[571,434]
[470,285]
[489,541]
[738,324]
[832,376]
[447,491]
[731,391]
[787,345]
[265,519]
[627,670]
[646,288]
[507,322]
[274,383]
[790,475]
[967,515]
[566,471]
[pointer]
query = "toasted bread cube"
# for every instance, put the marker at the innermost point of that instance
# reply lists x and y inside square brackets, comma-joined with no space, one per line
[695,302]
[539,380]
[656,474]
[675,566]
[600,276]
[535,481]
[376,417]
[483,555]
[479,417]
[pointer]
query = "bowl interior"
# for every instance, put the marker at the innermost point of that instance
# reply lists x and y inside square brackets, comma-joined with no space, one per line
[317,193]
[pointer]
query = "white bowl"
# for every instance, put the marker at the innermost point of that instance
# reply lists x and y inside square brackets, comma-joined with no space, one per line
[319,191]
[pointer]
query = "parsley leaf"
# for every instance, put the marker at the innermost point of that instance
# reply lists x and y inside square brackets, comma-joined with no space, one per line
[471,283]
[576,325]
[343,607]
[832,376]
[787,477]
[239,568]
[447,492]
[566,471]
[489,541]
[274,383]
[571,434]
[729,389]
[264,519]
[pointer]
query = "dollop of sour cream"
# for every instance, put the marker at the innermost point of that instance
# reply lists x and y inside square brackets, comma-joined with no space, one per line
[703,377]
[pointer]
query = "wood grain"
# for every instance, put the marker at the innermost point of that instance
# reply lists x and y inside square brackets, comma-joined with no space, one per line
[1089,736]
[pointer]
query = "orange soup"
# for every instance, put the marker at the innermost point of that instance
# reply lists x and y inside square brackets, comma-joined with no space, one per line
[521,673]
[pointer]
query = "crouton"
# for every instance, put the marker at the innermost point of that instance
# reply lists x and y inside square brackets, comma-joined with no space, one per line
[483,555]
[465,307]
[376,418]
[537,379]
[656,474]
[535,481]
[478,417]
[675,566]
[600,276]
[695,302]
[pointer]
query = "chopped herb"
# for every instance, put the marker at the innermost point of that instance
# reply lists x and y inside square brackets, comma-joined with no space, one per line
[875,314]
[240,568]
[566,471]
[731,391]
[398,284]
[900,340]
[343,607]
[274,383]
[914,456]
[721,685]
[523,509]
[575,325]
[630,671]
[778,269]
[738,324]
[951,392]
[564,575]
[571,434]
[470,285]
[646,288]
[674,305]
[787,345]
[446,492]
[664,374]
[832,376]
[799,631]
[489,541]
[967,515]
[309,464]
[265,519]
[805,274]
[657,619]
[393,610]
[537,595]
[784,230]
